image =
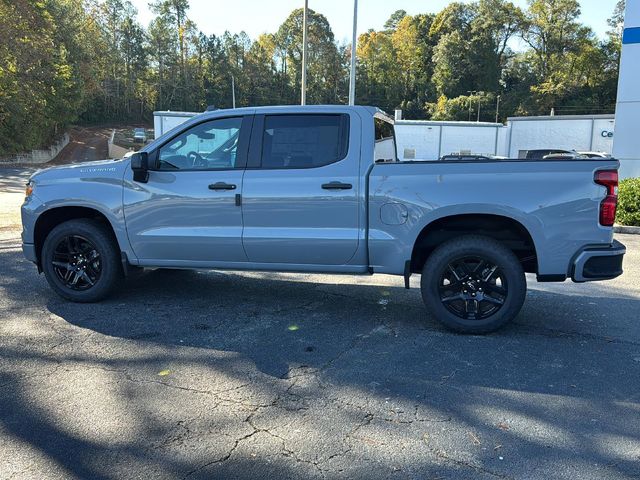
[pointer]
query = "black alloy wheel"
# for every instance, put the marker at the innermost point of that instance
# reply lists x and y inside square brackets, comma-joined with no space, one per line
[472,288]
[81,260]
[76,262]
[473,284]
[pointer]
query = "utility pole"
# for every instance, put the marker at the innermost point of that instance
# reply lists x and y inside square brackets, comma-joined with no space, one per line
[233,91]
[471,93]
[479,96]
[303,97]
[497,107]
[354,41]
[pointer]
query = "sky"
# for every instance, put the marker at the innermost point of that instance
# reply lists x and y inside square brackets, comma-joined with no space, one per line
[261,16]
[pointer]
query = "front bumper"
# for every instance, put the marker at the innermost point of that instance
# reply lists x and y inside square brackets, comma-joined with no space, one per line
[598,263]
[29,251]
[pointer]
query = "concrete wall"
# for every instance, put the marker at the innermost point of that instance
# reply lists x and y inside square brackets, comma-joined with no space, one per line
[626,146]
[503,136]
[39,156]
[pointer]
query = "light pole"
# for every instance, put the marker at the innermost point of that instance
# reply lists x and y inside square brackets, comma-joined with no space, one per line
[233,91]
[479,97]
[303,97]
[354,41]
[471,94]
[497,107]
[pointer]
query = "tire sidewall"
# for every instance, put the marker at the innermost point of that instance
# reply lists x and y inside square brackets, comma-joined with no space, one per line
[99,236]
[489,250]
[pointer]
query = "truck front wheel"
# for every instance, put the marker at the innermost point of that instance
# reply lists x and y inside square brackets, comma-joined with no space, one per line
[473,284]
[80,260]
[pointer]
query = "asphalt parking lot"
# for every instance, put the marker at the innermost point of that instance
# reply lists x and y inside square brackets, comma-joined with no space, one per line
[253,375]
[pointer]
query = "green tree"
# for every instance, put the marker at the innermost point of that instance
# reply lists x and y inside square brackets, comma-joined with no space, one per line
[464,107]
[552,30]
[560,45]
[47,76]
[90,60]
[497,22]
[395,18]
[377,79]
[174,14]
[324,67]
[162,48]
[452,71]
[261,72]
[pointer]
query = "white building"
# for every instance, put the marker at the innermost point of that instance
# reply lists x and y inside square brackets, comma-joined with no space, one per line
[583,133]
[430,140]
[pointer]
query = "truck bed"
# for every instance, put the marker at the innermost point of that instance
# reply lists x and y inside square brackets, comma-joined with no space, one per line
[555,200]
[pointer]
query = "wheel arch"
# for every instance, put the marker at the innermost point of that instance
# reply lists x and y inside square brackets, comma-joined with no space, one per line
[507,230]
[53,217]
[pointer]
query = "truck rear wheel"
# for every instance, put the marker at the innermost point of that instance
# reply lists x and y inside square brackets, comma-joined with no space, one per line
[80,260]
[473,284]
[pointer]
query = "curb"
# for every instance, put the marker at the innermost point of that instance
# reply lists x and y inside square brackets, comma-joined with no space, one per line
[625,229]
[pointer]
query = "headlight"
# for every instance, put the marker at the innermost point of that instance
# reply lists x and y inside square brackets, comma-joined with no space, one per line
[29,189]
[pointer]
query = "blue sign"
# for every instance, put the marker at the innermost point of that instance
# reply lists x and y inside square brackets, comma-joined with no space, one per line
[631,35]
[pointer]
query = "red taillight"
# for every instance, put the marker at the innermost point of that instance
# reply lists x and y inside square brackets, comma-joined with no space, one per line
[608,179]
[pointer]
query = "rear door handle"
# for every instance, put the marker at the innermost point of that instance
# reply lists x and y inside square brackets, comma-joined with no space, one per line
[337,186]
[222,186]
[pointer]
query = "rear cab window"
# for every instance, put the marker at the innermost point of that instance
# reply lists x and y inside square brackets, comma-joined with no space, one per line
[384,150]
[304,141]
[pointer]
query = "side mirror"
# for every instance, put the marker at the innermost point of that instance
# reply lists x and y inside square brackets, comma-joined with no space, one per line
[140,166]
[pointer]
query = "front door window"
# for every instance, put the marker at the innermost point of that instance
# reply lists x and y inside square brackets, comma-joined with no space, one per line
[209,145]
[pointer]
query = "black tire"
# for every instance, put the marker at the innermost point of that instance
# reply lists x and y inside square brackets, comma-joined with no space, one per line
[89,247]
[469,296]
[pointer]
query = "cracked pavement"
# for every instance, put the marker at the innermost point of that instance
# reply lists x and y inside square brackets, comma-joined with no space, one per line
[194,375]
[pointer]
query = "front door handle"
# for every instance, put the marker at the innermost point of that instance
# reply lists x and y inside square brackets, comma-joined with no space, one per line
[337,186]
[222,186]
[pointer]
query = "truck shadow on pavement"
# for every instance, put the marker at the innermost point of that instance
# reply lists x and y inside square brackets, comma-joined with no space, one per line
[360,366]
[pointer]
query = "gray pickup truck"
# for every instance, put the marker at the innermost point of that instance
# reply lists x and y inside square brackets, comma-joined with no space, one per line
[320,189]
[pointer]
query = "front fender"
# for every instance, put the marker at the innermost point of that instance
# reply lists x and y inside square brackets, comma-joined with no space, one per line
[100,190]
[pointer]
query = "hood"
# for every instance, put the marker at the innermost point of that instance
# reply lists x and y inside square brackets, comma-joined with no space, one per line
[85,170]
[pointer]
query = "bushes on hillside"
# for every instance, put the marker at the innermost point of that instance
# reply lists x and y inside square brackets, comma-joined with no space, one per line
[629,202]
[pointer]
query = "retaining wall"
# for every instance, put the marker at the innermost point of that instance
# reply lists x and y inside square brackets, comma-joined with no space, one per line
[39,156]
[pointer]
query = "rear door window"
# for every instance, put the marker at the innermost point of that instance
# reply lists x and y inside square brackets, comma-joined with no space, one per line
[304,141]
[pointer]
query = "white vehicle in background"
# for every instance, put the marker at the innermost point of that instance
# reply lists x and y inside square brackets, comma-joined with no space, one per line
[139,135]
[595,154]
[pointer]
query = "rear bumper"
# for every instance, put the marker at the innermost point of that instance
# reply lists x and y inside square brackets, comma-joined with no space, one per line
[598,263]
